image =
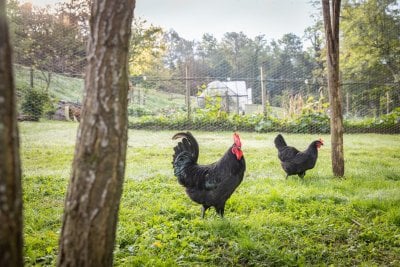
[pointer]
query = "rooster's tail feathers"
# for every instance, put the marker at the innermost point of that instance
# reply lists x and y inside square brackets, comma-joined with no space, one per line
[279,141]
[188,144]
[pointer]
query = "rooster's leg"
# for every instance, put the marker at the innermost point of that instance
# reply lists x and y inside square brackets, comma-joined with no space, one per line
[203,210]
[220,211]
[301,175]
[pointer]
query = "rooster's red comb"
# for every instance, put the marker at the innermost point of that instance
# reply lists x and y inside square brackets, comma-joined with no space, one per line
[236,139]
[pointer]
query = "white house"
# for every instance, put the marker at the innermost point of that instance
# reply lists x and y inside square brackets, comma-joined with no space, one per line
[234,95]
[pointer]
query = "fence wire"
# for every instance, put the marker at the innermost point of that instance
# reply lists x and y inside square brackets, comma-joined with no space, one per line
[208,85]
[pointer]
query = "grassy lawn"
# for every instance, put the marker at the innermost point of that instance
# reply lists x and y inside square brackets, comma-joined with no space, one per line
[269,221]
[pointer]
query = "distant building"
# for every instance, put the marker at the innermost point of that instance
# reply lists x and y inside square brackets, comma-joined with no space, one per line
[234,95]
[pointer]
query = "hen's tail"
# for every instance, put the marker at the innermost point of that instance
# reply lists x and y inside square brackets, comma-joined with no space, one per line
[279,141]
[188,144]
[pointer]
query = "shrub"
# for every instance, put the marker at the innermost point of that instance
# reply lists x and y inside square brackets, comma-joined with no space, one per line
[139,111]
[268,124]
[389,123]
[388,120]
[310,121]
[34,102]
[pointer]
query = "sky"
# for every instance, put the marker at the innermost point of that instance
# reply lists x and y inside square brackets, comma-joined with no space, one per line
[192,18]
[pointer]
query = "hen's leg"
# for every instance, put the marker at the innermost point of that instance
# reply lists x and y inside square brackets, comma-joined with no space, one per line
[221,210]
[301,175]
[203,210]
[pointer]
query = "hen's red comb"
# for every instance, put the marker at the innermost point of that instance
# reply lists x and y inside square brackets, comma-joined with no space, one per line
[321,140]
[236,139]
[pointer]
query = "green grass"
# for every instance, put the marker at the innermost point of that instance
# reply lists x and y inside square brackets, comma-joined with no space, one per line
[156,100]
[269,221]
[71,89]
[61,87]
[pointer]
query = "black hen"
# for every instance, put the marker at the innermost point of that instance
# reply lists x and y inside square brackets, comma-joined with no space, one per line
[294,161]
[209,185]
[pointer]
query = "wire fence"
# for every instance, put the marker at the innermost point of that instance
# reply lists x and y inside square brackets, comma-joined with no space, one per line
[219,105]
[237,83]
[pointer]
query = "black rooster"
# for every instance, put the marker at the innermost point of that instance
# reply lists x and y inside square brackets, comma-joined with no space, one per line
[209,185]
[294,161]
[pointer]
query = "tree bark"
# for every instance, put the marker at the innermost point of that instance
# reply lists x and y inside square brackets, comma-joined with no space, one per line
[11,238]
[94,192]
[331,13]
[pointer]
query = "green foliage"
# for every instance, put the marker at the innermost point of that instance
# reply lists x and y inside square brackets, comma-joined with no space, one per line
[307,122]
[370,40]
[313,118]
[34,103]
[268,124]
[44,39]
[139,111]
[389,123]
[310,122]
[213,107]
[388,120]
[269,221]
[146,47]
[198,120]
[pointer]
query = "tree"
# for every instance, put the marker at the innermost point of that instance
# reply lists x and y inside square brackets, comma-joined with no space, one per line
[49,41]
[179,58]
[94,192]
[371,35]
[255,55]
[233,44]
[314,34]
[331,13]
[146,47]
[206,50]
[290,65]
[370,52]
[11,240]
[206,47]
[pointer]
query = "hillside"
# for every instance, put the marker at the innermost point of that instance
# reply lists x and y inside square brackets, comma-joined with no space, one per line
[71,89]
[61,87]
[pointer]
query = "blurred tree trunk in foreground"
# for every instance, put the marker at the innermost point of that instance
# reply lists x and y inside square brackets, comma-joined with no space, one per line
[331,13]
[11,240]
[94,193]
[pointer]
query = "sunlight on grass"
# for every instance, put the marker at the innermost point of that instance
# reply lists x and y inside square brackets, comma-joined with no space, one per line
[320,220]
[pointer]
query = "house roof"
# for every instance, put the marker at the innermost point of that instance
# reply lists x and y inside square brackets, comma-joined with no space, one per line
[237,88]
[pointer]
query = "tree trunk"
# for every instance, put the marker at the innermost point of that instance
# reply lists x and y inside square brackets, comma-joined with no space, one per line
[94,192]
[331,12]
[11,240]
